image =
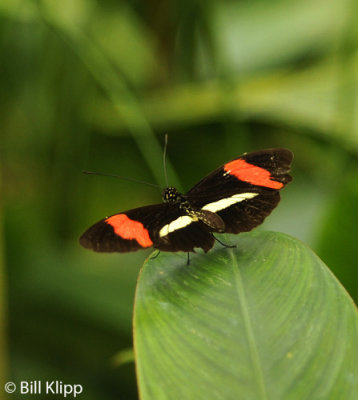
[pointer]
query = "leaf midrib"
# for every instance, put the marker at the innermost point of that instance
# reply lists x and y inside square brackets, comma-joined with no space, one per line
[255,358]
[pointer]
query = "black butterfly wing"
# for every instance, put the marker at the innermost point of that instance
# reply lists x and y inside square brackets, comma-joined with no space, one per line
[245,190]
[246,215]
[123,232]
[163,226]
[266,169]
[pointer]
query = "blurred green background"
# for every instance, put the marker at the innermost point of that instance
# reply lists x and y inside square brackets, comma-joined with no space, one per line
[96,85]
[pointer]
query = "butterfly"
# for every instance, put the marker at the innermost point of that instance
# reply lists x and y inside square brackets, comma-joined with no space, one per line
[234,198]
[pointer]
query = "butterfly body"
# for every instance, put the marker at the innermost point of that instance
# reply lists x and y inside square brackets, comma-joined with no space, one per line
[234,198]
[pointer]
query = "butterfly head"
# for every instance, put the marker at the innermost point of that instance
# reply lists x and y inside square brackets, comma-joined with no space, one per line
[171,195]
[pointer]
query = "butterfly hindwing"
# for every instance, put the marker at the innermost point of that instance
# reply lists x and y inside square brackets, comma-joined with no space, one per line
[186,238]
[246,215]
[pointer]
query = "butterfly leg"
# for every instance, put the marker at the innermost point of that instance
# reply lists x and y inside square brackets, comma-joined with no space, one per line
[228,246]
[188,259]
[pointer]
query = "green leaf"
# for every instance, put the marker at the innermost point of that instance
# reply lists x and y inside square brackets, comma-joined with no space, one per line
[266,320]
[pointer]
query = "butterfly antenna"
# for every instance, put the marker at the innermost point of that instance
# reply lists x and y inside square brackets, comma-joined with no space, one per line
[121,177]
[165,158]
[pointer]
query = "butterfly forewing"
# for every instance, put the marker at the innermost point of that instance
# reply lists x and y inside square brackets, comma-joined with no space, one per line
[162,226]
[260,170]
[244,191]
[123,232]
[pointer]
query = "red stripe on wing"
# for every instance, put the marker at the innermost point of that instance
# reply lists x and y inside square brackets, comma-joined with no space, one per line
[129,229]
[252,174]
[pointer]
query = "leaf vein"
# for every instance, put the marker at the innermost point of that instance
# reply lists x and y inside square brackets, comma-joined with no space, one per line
[255,358]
